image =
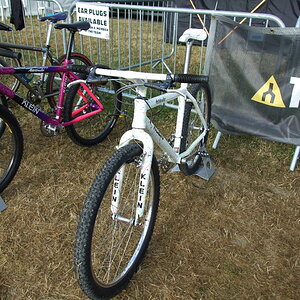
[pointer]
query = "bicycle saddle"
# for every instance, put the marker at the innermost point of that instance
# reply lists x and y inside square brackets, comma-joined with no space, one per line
[5,27]
[193,34]
[74,26]
[60,16]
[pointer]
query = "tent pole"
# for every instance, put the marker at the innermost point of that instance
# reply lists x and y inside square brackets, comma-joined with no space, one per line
[252,11]
[202,23]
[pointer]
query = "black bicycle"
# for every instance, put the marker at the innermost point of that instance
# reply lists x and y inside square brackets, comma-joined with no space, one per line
[47,84]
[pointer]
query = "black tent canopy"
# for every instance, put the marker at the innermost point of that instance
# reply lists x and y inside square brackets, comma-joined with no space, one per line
[287,10]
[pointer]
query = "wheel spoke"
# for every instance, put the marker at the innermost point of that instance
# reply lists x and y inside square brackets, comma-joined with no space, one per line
[116,246]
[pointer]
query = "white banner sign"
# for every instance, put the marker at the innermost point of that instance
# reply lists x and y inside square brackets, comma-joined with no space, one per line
[97,16]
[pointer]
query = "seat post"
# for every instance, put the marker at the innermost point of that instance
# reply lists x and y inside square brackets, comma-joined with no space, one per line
[70,44]
[188,50]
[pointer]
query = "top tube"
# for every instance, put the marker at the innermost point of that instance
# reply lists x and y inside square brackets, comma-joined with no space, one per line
[38,69]
[131,74]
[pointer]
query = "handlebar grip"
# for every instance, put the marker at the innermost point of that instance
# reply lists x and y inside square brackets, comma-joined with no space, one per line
[189,78]
[79,69]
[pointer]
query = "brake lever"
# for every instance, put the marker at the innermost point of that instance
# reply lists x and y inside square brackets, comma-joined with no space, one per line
[161,86]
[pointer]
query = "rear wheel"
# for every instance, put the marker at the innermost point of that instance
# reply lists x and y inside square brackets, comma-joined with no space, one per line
[54,79]
[10,81]
[193,127]
[95,128]
[109,248]
[11,147]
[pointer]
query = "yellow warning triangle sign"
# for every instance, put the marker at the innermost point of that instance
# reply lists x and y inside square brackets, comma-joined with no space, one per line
[269,94]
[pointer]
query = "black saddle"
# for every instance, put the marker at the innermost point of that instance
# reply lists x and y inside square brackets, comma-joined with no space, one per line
[73,26]
[54,18]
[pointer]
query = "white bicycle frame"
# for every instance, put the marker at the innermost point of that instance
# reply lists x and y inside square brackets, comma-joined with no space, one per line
[145,132]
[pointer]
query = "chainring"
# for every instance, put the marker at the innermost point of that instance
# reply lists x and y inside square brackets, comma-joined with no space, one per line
[31,97]
[50,130]
[164,164]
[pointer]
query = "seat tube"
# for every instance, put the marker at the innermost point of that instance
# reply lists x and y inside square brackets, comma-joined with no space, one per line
[60,102]
[70,45]
[48,38]
[179,123]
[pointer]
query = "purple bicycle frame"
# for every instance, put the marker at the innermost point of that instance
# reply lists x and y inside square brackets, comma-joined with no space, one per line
[67,75]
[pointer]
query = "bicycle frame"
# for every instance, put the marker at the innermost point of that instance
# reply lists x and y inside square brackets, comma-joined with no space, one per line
[35,110]
[144,131]
[46,54]
[44,50]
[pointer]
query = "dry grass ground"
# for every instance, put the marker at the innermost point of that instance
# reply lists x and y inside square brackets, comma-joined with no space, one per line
[233,237]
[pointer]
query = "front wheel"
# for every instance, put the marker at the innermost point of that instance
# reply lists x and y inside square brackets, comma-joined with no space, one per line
[11,147]
[109,248]
[193,127]
[79,104]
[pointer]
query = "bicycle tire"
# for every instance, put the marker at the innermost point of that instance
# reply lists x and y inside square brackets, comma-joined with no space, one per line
[3,101]
[89,230]
[94,129]
[192,126]
[53,79]
[9,80]
[11,147]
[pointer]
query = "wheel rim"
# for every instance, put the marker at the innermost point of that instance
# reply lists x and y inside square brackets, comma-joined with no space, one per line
[7,150]
[96,125]
[10,81]
[117,252]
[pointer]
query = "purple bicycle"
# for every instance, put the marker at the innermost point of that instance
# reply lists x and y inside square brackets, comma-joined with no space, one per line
[87,111]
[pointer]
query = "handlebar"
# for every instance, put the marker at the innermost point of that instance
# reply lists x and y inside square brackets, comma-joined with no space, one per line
[79,69]
[189,78]
[100,74]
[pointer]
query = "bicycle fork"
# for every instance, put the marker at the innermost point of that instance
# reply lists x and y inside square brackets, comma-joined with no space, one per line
[145,168]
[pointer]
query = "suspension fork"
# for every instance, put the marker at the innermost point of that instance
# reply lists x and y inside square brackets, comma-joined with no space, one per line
[145,167]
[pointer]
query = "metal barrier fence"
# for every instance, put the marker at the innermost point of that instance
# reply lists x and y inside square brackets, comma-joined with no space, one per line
[144,37]
[34,33]
[141,37]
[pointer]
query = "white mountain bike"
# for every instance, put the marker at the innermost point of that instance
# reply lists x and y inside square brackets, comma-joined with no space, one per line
[119,213]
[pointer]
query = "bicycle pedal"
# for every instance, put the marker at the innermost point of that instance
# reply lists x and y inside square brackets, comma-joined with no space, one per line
[206,169]
[164,165]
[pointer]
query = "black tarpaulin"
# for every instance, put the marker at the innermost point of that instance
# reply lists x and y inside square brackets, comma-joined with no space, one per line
[17,14]
[287,10]
[255,81]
